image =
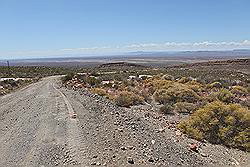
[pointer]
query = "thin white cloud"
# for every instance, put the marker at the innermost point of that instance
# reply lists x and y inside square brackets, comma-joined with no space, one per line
[206,45]
[192,45]
[246,42]
[173,45]
[66,49]
[167,46]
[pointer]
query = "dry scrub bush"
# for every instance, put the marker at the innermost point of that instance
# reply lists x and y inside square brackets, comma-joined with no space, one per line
[127,99]
[137,88]
[184,80]
[143,93]
[99,91]
[220,123]
[155,84]
[223,95]
[176,93]
[92,81]
[239,90]
[195,86]
[185,107]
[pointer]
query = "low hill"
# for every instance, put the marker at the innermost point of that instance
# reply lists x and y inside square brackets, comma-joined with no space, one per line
[119,64]
[242,65]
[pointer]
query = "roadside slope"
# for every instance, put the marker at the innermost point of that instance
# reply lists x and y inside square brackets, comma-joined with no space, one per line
[114,134]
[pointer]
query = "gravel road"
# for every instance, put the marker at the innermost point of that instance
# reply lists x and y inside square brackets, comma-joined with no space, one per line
[46,125]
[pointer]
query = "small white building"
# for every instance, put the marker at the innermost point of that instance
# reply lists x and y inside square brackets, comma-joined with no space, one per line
[82,73]
[145,76]
[131,77]
[107,82]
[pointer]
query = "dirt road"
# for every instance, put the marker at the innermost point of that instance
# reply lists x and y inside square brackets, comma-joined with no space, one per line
[45,125]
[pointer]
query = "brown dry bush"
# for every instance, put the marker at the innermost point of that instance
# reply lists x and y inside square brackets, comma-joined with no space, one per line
[99,91]
[127,99]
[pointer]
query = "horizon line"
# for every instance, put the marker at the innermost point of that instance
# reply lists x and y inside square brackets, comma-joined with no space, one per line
[133,53]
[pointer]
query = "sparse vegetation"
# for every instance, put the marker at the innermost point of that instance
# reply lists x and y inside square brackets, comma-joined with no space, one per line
[126,99]
[8,85]
[33,71]
[164,86]
[216,99]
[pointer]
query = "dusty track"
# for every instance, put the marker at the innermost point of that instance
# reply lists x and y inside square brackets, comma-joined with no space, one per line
[38,128]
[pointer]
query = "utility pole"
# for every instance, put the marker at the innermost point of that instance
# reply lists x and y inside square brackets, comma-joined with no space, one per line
[8,63]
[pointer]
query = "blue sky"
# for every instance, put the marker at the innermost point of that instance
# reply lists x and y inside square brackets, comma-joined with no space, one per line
[40,28]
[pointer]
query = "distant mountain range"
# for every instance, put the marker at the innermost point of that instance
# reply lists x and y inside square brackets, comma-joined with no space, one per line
[236,51]
[139,57]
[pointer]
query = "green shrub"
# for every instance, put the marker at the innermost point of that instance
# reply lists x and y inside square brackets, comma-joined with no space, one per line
[11,82]
[92,81]
[223,95]
[155,84]
[239,90]
[175,93]
[220,123]
[195,86]
[185,107]
[127,99]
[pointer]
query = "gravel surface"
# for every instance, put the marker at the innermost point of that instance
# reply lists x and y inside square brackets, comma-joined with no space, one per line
[48,125]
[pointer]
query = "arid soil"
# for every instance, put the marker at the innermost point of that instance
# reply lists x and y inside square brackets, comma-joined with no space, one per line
[45,125]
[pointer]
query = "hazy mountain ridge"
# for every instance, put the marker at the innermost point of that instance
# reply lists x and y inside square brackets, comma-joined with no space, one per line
[140,57]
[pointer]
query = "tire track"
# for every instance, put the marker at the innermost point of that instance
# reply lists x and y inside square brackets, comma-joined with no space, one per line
[74,137]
